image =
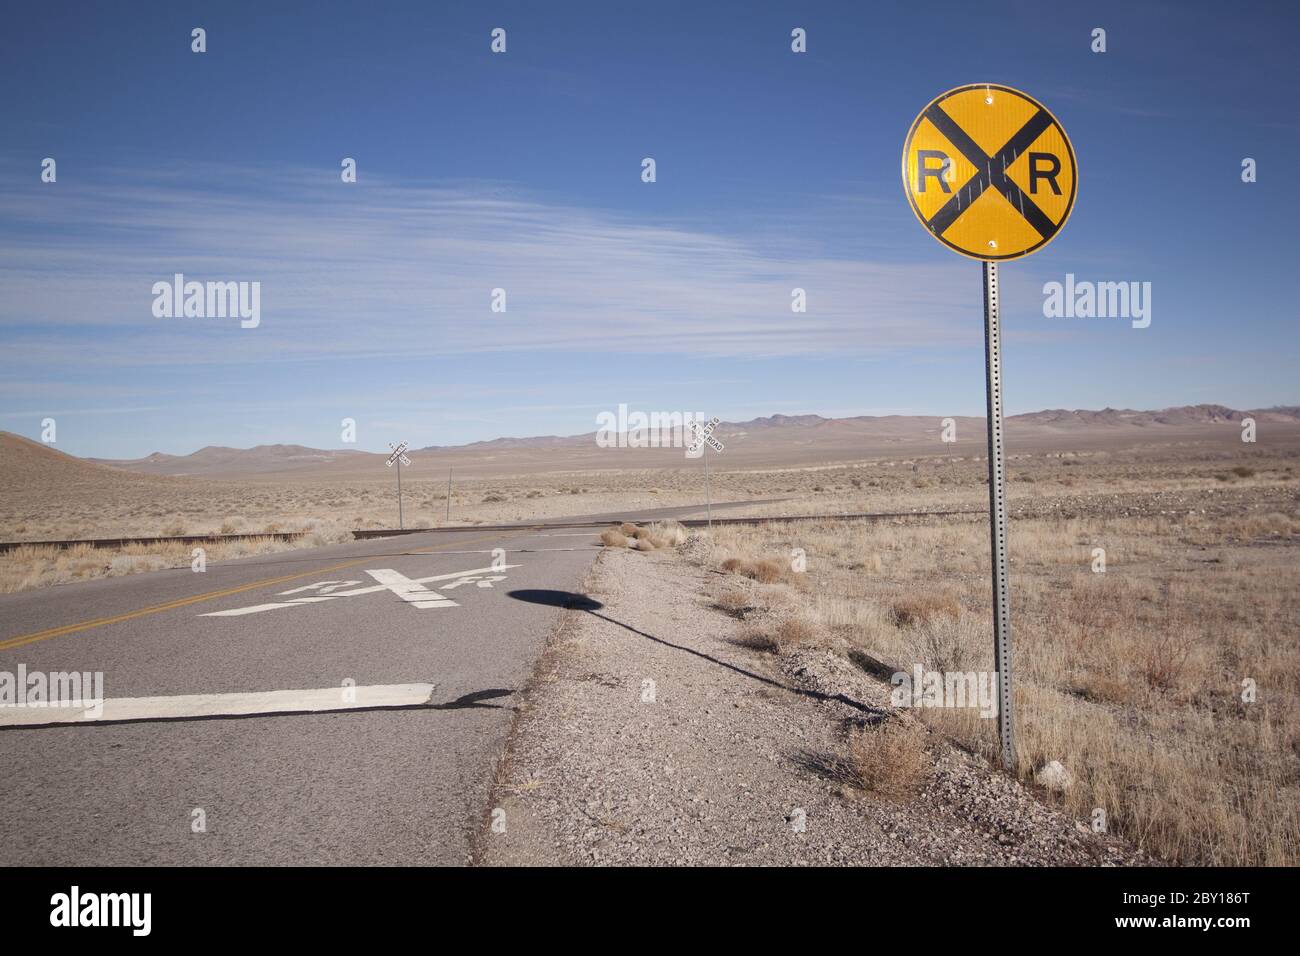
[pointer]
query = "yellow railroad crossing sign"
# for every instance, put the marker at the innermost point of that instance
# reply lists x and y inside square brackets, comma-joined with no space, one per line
[989,172]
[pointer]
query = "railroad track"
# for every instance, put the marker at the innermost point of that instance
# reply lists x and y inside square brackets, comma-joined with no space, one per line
[7,546]
[688,522]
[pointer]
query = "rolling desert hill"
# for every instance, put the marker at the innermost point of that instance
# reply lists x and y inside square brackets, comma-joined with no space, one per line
[221,461]
[27,464]
[769,442]
[37,484]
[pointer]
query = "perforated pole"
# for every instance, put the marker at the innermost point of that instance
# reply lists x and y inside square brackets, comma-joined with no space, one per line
[998,513]
[708,499]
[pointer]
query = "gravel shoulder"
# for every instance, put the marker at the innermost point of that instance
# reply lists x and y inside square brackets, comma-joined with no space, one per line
[649,736]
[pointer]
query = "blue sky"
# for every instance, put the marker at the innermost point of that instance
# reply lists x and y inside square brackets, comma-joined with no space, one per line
[522,171]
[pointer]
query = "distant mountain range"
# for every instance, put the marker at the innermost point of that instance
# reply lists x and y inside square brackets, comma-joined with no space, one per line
[771,441]
[1181,416]
[217,459]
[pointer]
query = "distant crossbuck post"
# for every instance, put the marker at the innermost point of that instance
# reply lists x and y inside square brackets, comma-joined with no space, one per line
[704,440]
[398,457]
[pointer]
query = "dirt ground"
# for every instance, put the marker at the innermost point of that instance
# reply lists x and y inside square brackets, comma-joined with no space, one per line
[653,735]
[1156,651]
[1155,637]
[47,504]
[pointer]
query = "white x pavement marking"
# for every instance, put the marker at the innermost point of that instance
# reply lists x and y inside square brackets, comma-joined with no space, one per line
[412,592]
[408,589]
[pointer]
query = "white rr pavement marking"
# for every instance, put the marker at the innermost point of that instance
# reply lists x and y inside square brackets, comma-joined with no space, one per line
[372,589]
[322,587]
[222,705]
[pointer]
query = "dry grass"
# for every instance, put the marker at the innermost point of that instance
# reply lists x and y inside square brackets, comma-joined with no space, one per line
[1162,660]
[917,609]
[30,567]
[889,759]
[667,534]
[654,537]
[780,635]
[763,570]
[734,602]
[1132,678]
[613,538]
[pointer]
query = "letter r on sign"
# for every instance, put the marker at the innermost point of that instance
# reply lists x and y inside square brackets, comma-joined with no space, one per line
[925,170]
[1050,174]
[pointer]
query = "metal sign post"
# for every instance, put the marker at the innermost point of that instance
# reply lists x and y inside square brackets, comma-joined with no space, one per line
[990,173]
[449,494]
[708,497]
[704,440]
[398,458]
[998,511]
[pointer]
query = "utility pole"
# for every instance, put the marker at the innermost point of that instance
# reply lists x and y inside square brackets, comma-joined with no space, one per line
[449,467]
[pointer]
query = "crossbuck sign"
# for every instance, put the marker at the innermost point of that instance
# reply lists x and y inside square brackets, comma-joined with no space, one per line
[991,174]
[704,436]
[398,457]
[704,440]
[398,454]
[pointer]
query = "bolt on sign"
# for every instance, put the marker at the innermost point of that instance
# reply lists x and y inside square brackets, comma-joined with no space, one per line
[990,173]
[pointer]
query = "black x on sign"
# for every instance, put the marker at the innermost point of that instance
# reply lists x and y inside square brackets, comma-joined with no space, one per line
[989,172]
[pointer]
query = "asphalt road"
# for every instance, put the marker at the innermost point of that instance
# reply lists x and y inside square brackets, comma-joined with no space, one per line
[406,785]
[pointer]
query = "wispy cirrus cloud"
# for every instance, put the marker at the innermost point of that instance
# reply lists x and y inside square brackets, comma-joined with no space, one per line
[384,269]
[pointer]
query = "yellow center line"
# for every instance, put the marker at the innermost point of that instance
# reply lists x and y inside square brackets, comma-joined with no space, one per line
[211,595]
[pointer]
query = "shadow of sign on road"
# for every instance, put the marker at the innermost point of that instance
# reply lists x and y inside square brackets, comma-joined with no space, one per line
[565,599]
[581,602]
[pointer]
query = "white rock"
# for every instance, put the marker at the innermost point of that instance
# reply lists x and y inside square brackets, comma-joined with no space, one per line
[1054,776]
